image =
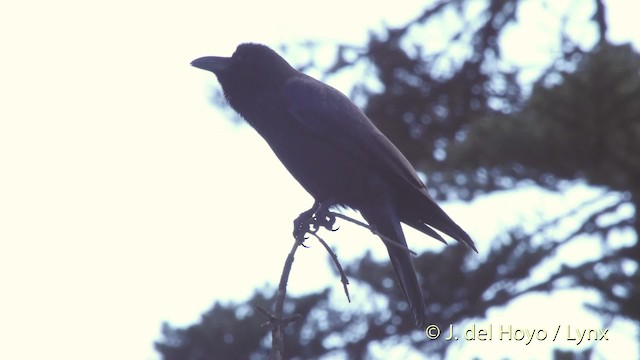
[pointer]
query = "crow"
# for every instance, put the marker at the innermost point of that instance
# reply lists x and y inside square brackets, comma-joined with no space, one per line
[335,152]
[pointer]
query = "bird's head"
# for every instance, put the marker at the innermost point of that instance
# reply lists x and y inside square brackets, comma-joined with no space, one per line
[251,66]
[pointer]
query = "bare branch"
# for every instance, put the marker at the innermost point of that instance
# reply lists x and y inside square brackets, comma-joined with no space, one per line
[277,322]
[343,276]
[374,231]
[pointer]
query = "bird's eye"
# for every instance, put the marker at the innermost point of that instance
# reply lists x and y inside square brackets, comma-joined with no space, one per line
[239,57]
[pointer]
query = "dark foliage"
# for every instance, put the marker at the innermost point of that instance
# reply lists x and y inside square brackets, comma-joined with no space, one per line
[235,331]
[582,126]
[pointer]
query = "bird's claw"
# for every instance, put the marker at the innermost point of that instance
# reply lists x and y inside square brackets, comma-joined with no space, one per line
[327,221]
[301,224]
[311,221]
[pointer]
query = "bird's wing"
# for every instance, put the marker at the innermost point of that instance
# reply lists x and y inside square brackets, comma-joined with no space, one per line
[328,114]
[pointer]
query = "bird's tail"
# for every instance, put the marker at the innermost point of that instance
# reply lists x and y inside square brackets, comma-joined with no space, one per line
[385,220]
[424,214]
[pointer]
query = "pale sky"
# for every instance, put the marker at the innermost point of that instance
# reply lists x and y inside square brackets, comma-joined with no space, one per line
[127,199]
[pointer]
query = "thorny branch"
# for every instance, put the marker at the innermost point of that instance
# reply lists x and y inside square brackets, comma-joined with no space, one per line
[308,222]
[277,322]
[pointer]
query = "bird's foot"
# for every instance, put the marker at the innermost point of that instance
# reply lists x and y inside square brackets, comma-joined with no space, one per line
[310,221]
[301,224]
[325,219]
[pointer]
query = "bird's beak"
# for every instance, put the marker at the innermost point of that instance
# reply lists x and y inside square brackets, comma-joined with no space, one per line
[214,64]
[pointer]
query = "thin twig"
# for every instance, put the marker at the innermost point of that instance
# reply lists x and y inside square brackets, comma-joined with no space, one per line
[373,230]
[277,322]
[343,277]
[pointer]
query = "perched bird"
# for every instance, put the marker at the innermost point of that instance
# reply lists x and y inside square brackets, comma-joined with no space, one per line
[334,151]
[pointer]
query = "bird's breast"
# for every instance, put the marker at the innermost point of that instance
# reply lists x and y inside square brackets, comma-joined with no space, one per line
[323,170]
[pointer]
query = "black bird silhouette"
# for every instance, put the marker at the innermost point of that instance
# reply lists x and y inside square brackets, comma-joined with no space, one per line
[334,151]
